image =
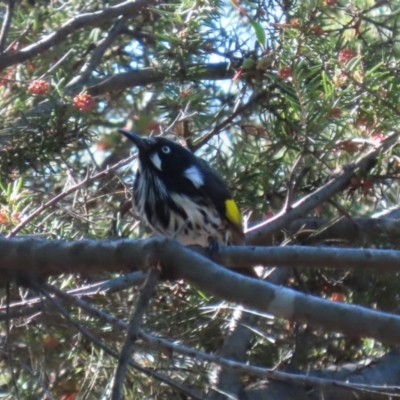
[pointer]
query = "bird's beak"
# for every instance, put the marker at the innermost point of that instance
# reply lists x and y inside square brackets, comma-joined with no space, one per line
[140,143]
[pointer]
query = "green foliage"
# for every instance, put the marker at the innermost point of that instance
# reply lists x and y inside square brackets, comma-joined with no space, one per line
[294,114]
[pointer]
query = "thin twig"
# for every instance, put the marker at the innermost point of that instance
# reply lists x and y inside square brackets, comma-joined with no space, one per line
[143,300]
[101,48]
[21,35]
[6,24]
[34,305]
[9,352]
[291,182]
[67,192]
[34,376]
[57,64]
[182,116]
[218,128]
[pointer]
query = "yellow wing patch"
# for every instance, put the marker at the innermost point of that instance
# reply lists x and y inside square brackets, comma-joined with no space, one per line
[232,212]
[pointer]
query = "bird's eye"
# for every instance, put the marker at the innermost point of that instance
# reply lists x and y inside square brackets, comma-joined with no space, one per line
[165,149]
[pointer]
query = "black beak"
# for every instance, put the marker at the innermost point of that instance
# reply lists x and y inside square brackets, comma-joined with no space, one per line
[140,143]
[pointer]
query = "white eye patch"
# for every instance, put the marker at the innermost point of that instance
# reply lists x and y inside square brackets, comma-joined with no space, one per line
[195,176]
[156,160]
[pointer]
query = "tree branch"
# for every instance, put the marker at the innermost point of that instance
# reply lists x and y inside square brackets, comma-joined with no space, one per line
[26,258]
[6,24]
[133,332]
[75,23]
[33,305]
[260,233]
[376,378]
[122,81]
[147,76]
[344,230]
[47,289]
[101,48]
[54,257]
[66,193]
[329,380]
[387,365]
[308,257]
[226,122]
[235,348]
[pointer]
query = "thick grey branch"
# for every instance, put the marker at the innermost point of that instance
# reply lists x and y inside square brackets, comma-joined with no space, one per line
[53,257]
[23,258]
[309,257]
[393,213]
[349,319]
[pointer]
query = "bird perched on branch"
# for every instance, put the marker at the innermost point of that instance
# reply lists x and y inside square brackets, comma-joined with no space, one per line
[180,196]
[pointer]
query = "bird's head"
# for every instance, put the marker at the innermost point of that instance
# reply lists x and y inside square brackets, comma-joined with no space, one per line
[160,155]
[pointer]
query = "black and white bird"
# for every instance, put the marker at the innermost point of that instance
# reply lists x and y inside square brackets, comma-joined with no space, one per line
[180,196]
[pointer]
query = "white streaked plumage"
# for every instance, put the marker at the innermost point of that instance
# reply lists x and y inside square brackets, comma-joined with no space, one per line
[149,188]
[202,223]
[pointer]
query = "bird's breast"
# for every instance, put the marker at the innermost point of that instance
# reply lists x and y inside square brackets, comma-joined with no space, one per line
[191,221]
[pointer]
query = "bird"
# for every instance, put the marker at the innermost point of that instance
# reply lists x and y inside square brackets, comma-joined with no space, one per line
[180,196]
